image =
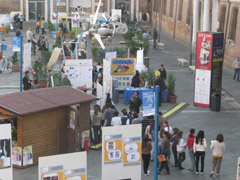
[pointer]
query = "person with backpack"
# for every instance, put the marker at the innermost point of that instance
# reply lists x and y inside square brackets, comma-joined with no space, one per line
[190,141]
[199,147]
[181,145]
[125,119]
[218,147]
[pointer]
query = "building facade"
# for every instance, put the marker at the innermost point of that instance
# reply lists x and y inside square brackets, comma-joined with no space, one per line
[35,9]
[183,18]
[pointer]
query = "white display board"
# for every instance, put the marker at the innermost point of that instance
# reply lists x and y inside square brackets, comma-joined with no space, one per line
[107,79]
[110,55]
[4,19]
[82,3]
[72,166]
[6,152]
[238,170]
[202,87]
[121,152]
[123,82]
[27,56]
[79,72]
[116,14]
[100,95]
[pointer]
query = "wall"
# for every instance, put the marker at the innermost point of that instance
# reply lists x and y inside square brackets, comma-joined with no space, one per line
[9,5]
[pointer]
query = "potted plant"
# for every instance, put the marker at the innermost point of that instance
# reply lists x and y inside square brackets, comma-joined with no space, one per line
[171,79]
[7,30]
[129,35]
[15,62]
[57,79]
[121,52]
[50,28]
[148,77]
[94,49]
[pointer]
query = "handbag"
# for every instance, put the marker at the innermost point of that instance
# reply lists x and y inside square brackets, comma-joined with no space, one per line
[161,158]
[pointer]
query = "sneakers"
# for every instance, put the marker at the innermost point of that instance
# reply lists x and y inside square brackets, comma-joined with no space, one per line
[190,170]
[196,173]
[201,173]
[148,172]
[211,174]
[217,175]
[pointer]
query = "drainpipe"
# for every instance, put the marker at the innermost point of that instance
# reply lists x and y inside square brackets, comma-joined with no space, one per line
[175,21]
[226,26]
[159,20]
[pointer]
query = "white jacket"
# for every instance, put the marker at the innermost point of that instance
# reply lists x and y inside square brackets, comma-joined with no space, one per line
[181,146]
[199,146]
[217,148]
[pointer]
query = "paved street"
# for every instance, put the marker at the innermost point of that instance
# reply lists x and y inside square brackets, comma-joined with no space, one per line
[226,121]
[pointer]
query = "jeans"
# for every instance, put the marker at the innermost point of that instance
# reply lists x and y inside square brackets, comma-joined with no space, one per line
[181,158]
[236,73]
[216,162]
[192,157]
[43,31]
[174,150]
[164,163]
[3,36]
[200,154]
[146,160]
[154,43]
[97,133]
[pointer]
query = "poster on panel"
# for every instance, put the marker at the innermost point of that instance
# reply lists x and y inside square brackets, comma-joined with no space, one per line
[203,69]
[6,152]
[27,155]
[107,79]
[148,103]
[4,19]
[110,55]
[121,152]
[17,155]
[238,169]
[72,166]
[27,56]
[123,67]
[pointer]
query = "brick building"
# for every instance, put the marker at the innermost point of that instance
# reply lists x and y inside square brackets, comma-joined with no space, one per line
[33,9]
[176,17]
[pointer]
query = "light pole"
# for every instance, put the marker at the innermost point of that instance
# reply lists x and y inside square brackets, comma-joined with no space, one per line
[21,61]
[156,134]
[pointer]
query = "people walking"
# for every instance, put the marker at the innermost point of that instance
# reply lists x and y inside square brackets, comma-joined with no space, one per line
[109,115]
[2,32]
[125,119]
[43,26]
[199,147]
[181,145]
[190,141]
[174,145]
[163,72]
[160,82]
[155,36]
[96,124]
[165,149]
[146,153]
[218,147]
[116,120]
[136,80]
[236,66]
[37,26]
[149,130]
[26,81]
[18,33]
[138,101]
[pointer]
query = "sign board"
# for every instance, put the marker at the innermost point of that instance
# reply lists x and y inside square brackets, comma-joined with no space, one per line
[6,152]
[123,67]
[82,3]
[72,166]
[110,55]
[16,43]
[203,69]
[27,56]
[116,14]
[79,72]
[123,82]
[209,62]
[107,79]
[100,95]
[148,103]
[4,19]
[121,152]
[238,169]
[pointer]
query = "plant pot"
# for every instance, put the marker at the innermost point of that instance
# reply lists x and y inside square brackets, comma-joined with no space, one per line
[43,83]
[171,99]
[6,34]
[67,35]
[15,68]
[49,35]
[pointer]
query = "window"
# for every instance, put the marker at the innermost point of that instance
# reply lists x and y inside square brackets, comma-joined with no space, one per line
[171,8]
[164,7]
[189,12]
[221,19]
[180,10]
[233,24]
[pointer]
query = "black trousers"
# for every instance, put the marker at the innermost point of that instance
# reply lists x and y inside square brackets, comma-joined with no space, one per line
[174,150]
[97,133]
[164,163]
[43,31]
[200,154]
[181,158]
[146,160]
[37,29]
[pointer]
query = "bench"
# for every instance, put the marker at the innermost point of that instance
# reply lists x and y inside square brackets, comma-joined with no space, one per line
[160,45]
[183,62]
[192,69]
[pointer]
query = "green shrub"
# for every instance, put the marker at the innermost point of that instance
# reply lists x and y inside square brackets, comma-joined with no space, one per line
[171,79]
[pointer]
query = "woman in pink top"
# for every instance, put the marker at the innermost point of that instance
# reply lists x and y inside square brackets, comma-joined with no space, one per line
[190,141]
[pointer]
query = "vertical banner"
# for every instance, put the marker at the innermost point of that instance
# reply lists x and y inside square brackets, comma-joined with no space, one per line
[238,169]
[27,56]
[121,152]
[72,166]
[110,55]
[148,103]
[203,69]
[6,152]
[16,43]
[217,63]
[107,80]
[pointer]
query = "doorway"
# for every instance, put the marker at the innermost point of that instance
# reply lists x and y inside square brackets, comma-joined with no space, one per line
[123,5]
[36,9]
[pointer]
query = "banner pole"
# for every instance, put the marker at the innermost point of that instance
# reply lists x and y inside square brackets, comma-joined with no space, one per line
[156,134]
[21,60]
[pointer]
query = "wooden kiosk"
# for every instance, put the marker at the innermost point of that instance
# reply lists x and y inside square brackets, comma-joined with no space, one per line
[42,119]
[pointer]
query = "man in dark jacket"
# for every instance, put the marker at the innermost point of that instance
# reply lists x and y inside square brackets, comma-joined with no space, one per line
[160,82]
[155,36]
[109,114]
[163,72]
[26,81]
[138,101]
[136,80]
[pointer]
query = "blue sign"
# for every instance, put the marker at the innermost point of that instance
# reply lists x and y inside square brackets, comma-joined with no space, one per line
[16,43]
[58,2]
[148,103]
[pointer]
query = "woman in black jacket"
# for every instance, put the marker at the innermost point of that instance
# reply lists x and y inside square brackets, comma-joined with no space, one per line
[135,80]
